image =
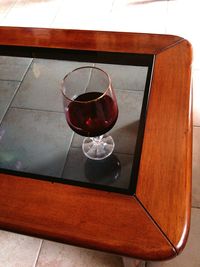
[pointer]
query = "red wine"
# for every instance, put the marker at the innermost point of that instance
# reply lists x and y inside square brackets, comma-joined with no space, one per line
[92,118]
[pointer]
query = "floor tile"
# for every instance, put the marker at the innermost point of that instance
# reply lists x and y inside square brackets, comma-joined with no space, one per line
[5,8]
[196,168]
[86,14]
[32,13]
[18,250]
[34,141]
[190,255]
[196,97]
[13,68]
[41,88]
[182,19]
[114,171]
[125,130]
[59,255]
[139,16]
[179,10]
[7,92]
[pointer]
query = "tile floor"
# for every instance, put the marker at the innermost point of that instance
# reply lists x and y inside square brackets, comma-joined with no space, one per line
[179,17]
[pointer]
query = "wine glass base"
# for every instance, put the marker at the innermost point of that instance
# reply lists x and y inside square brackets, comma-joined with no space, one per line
[98,148]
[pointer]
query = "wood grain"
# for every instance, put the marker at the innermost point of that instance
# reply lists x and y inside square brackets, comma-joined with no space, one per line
[80,216]
[153,224]
[164,183]
[87,40]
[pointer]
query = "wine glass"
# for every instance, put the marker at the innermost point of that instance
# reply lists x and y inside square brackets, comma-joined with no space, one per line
[91,109]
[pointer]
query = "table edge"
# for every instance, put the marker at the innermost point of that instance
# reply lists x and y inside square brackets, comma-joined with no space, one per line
[113,42]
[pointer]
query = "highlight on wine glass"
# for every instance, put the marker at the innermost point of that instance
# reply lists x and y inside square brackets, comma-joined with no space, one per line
[91,109]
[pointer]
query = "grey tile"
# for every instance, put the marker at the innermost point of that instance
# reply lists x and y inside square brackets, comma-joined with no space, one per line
[7,91]
[196,168]
[114,171]
[13,68]
[125,130]
[41,88]
[59,255]
[34,141]
[190,256]
[126,77]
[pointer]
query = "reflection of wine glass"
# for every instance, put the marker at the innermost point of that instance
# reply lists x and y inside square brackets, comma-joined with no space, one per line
[91,109]
[105,172]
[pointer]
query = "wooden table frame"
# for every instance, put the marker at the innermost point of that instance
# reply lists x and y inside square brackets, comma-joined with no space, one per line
[152,224]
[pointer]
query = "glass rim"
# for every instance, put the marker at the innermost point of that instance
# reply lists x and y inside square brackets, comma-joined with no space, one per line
[86,67]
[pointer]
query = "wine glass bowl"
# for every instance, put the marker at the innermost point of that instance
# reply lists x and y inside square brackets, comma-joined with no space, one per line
[91,109]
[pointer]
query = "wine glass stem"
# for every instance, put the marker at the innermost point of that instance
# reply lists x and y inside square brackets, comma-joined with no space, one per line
[97,140]
[99,147]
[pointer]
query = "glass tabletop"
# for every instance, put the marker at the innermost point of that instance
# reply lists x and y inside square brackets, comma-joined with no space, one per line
[35,139]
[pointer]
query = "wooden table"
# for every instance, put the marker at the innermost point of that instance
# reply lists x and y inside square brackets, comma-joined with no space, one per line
[151,224]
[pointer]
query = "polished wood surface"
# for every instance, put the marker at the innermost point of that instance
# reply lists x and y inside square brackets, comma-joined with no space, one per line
[154,223]
[90,218]
[87,40]
[168,135]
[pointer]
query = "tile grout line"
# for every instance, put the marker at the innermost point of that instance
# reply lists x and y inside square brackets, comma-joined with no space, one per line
[70,143]
[8,106]
[21,81]
[67,155]
[38,253]
[55,16]
[167,17]
[40,248]
[37,109]
[16,91]
[73,134]
[6,80]
[7,12]
[112,9]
